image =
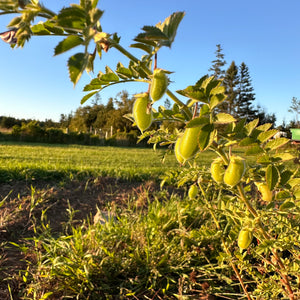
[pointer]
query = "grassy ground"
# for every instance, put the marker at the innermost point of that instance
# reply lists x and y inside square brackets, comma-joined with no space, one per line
[81,222]
[53,189]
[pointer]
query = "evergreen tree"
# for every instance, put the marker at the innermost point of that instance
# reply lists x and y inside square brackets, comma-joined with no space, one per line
[246,96]
[218,64]
[231,82]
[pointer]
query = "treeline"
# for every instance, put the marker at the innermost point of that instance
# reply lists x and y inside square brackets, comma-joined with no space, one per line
[105,124]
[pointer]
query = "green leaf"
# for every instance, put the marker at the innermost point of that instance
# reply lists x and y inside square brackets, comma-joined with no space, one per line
[198,122]
[265,136]
[264,127]
[276,143]
[285,176]
[281,195]
[247,141]
[73,17]
[194,93]
[77,64]
[124,73]
[254,150]
[142,46]
[88,96]
[95,84]
[250,126]
[223,118]
[68,43]
[272,176]
[284,156]
[169,27]
[264,159]
[286,205]
[216,100]
[204,110]
[109,76]
[151,33]
[53,28]
[206,136]
[39,29]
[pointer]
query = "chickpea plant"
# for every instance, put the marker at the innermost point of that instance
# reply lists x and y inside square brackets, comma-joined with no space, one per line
[256,211]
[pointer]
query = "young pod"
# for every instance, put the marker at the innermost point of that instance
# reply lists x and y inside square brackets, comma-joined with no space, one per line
[217,170]
[188,145]
[266,193]
[245,238]
[193,191]
[142,112]
[179,158]
[159,84]
[235,171]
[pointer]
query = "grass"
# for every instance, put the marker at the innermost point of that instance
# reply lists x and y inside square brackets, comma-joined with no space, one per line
[98,237]
[47,162]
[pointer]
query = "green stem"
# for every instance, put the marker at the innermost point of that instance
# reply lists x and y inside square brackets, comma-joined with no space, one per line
[149,73]
[281,269]
[236,271]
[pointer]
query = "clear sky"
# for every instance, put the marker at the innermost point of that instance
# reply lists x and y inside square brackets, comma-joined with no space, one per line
[265,34]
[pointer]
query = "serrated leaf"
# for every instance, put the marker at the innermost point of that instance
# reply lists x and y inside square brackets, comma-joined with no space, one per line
[294,182]
[204,110]
[88,96]
[39,29]
[281,195]
[151,33]
[109,77]
[264,159]
[169,27]
[68,43]
[73,17]
[285,176]
[284,156]
[197,122]
[95,84]
[194,93]
[77,64]
[266,135]
[264,127]
[250,126]
[216,100]
[206,136]
[223,118]
[142,46]
[276,143]
[272,176]
[247,141]
[288,204]
[53,28]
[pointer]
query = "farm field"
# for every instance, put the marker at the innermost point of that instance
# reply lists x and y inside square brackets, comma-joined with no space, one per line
[60,185]
[85,222]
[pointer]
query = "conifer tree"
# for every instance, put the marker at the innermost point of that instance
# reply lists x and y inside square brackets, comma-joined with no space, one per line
[218,64]
[246,95]
[231,82]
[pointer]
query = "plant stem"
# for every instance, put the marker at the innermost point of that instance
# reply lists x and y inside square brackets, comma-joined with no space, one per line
[223,242]
[149,72]
[281,269]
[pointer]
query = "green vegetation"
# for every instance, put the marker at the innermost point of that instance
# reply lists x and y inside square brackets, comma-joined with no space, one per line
[224,223]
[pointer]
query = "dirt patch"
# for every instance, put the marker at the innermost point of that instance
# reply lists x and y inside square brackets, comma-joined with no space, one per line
[24,202]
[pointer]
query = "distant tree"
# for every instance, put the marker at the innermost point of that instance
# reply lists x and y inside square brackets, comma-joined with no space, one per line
[231,82]
[218,64]
[264,117]
[167,104]
[295,108]
[246,95]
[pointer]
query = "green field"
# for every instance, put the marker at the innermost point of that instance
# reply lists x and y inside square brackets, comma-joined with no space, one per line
[47,162]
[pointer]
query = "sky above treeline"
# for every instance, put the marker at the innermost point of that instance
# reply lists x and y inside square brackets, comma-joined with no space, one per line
[264,34]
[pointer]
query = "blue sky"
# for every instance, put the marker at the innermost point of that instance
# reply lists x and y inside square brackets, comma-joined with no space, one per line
[263,34]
